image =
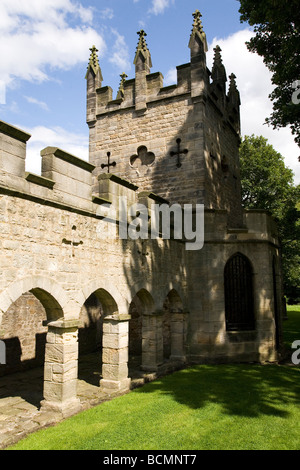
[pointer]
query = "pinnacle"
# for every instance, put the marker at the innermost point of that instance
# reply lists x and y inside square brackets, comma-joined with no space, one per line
[94,62]
[198,29]
[217,57]
[218,70]
[197,20]
[142,47]
[120,94]
[232,78]
[233,91]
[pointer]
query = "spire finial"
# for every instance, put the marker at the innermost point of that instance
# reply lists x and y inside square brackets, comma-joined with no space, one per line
[218,70]
[120,94]
[94,62]
[198,29]
[233,92]
[232,85]
[142,45]
[142,48]
[197,19]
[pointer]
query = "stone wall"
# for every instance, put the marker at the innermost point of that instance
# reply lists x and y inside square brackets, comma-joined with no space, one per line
[52,249]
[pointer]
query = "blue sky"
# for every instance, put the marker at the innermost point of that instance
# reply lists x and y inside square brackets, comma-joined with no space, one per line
[46,50]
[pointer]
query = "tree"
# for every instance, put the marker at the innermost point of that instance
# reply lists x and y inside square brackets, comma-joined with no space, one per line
[277,27]
[268,184]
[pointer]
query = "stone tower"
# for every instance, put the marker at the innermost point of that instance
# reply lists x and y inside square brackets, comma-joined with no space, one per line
[181,141]
[152,299]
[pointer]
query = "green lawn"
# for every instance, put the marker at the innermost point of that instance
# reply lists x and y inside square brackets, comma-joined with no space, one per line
[203,407]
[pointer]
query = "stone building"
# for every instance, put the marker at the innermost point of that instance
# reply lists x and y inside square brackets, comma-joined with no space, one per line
[66,289]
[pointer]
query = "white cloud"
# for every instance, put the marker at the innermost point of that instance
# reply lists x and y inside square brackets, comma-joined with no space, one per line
[254,83]
[41,137]
[41,104]
[171,77]
[120,57]
[159,6]
[107,14]
[40,38]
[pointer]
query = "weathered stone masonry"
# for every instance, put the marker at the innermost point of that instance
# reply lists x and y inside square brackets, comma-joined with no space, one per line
[147,298]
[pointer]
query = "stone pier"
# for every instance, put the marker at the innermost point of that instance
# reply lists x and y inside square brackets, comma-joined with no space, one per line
[178,336]
[115,354]
[152,337]
[61,368]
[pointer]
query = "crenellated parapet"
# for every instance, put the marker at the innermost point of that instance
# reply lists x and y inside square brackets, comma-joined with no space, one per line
[65,180]
[193,79]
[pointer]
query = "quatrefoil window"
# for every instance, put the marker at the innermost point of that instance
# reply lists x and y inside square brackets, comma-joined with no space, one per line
[142,158]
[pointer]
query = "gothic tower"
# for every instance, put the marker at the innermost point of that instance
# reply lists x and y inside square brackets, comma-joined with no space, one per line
[181,141]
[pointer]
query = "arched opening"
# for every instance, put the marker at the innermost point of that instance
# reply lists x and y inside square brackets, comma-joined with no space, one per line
[23,331]
[90,334]
[238,287]
[24,334]
[141,304]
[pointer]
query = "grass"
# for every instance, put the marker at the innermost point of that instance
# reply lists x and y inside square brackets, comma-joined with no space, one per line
[229,407]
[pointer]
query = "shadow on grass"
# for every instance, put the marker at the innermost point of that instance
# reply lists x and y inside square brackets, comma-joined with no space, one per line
[244,390]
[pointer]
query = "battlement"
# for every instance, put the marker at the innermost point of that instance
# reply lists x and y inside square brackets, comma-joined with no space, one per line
[194,80]
[65,179]
[155,92]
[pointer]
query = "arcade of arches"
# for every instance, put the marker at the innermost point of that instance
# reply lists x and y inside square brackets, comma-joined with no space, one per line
[125,345]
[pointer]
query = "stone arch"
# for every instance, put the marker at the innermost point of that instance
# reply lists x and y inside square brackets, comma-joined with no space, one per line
[99,301]
[26,306]
[174,292]
[147,294]
[54,300]
[46,290]
[175,301]
[146,301]
[113,302]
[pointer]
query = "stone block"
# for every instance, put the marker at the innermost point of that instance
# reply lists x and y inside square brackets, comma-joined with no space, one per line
[115,371]
[113,386]
[59,392]
[61,353]
[112,327]
[115,341]
[115,356]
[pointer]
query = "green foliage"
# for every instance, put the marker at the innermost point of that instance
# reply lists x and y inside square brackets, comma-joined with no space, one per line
[277,39]
[291,327]
[268,184]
